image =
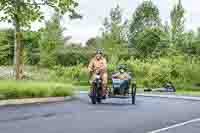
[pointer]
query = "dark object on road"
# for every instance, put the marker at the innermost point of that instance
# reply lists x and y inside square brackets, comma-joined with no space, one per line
[122,89]
[148,90]
[168,87]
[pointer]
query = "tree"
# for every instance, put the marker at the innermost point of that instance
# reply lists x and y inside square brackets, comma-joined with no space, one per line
[191,44]
[114,26]
[198,32]
[177,24]
[92,42]
[146,15]
[113,36]
[145,29]
[21,13]
[52,39]
[6,46]
[31,47]
[148,41]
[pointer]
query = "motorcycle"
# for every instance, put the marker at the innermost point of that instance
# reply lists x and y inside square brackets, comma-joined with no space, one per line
[96,92]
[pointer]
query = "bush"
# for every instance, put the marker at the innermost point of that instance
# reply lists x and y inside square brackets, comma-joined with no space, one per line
[154,73]
[73,56]
[150,73]
[29,89]
[75,74]
[183,71]
[48,59]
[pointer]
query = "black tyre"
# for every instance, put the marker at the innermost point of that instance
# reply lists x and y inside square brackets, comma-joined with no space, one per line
[98,100]
[94,100]
[94,96]
[133,93]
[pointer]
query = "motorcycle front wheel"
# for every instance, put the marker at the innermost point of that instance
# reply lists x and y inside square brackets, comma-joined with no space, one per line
[93,96]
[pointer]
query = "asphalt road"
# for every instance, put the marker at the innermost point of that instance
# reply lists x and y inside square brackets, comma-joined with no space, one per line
[113,116]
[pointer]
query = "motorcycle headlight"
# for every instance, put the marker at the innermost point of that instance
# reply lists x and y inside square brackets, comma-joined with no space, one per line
[97,76]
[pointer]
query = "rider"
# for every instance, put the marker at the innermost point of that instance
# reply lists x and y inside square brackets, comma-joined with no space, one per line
[99,63]
[123,76]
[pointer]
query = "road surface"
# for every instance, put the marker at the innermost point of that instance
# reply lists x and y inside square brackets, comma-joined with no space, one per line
[113,116]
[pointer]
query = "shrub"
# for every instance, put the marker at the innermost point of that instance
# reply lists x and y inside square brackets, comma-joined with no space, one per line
[154,73]
[29,89]
[73,56]
[76,74]
[48,59]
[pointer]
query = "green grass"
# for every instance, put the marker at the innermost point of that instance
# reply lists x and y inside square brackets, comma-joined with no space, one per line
[191,93]
[190,90]
[82,88]
[10,89]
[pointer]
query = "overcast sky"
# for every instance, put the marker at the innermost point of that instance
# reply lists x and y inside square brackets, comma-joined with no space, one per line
[94,12]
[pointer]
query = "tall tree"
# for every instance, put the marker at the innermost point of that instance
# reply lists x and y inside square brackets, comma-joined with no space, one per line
[113,37]
[52,39]
[21,13]
[114,25]
[145,29]
[146,15]
[177,23]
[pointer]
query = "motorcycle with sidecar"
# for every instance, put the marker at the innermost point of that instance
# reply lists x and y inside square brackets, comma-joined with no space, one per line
[117,89]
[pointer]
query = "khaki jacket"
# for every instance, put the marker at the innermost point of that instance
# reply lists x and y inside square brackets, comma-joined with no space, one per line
[98,65]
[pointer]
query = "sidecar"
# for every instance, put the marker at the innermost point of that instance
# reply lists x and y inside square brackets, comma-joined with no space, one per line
[123,89]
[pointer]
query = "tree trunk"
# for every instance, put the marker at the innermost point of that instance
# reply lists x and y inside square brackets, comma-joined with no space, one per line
[18,55]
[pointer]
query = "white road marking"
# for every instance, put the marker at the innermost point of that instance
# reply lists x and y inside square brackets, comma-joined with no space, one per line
[193,98]
[175,126]
[171,96]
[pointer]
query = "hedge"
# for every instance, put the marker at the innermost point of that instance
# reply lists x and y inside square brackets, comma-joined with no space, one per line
[10,89]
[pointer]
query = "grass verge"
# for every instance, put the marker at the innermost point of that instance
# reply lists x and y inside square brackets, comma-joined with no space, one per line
[190,93]
[82,88]
[10,89]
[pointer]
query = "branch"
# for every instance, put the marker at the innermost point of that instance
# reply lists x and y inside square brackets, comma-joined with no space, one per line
[37,3]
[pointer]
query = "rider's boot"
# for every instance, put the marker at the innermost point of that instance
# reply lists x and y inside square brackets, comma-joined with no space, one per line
[91,90]
[104,93]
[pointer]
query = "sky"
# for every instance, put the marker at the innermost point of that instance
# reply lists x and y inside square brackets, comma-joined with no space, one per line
[94,12]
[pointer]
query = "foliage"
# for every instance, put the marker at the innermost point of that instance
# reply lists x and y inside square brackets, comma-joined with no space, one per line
[27,89]
[155,53]
[93,42]
[51,40]
[145,16]
[177,24]
[6,47]
[148,41]
[31,46]
[145,29]
[155,72]
[25,12]
[22,13]
[74,73]
[74,56]
[113,38]
[191,44]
